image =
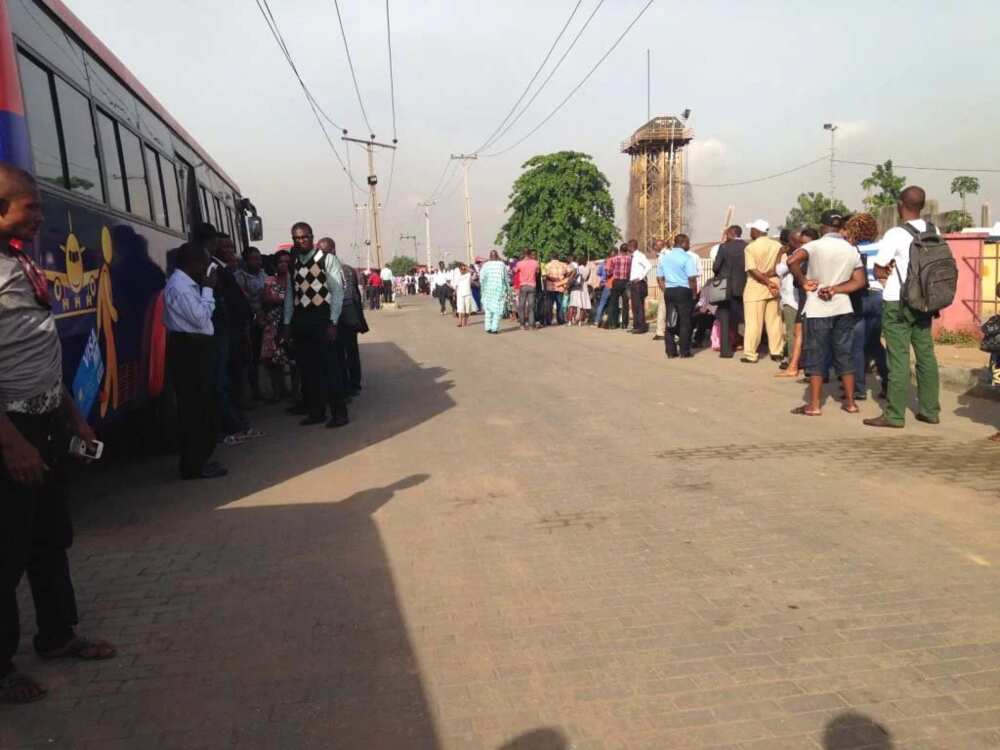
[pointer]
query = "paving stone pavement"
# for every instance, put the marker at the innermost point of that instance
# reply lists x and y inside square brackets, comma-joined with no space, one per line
[544,541]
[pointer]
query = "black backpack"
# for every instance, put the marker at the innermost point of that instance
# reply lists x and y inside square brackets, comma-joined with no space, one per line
[932,276]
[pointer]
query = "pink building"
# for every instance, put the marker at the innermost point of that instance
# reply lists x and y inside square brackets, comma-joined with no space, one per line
[975,300]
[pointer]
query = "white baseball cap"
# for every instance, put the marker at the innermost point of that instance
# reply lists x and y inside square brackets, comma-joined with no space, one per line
[760,225]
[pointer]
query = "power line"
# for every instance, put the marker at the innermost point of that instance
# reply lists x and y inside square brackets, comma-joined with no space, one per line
[910,166]
[392,171]
[768,177]
[350,63]
[272,25]
[577,87]
[553,72]
[441,180]
[527,88]
[392,81]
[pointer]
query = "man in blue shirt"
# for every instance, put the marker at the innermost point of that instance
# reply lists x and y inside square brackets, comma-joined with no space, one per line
[677,276]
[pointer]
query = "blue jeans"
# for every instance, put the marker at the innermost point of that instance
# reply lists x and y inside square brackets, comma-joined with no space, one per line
[829,341]
[867,343]
[605,295]
[491,320]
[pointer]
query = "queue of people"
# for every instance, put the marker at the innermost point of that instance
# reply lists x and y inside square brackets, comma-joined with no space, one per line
[816,301]
[226,320]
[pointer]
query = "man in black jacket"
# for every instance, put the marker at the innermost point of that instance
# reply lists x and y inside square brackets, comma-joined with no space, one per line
[350,324]
[730,264]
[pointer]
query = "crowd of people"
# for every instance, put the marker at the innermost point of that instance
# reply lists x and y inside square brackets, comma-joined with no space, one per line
[817,300]
[227,319]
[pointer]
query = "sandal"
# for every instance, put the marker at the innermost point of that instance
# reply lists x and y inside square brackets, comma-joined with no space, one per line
[994,438]
[83,649]
[849,410]
[788,374]
[803,411]
[16,687]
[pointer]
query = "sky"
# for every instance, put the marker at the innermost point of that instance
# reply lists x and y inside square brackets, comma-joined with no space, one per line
[909,80]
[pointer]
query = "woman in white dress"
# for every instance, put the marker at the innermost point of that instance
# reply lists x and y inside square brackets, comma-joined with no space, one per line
[464,302]
[579,293]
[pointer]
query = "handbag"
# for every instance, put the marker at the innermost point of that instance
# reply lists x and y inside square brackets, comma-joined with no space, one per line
[991,335]
[352,317]
[718,290]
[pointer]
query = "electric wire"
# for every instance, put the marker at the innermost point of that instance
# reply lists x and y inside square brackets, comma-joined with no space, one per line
[763,179]
[392,80]
[527,88]
[350,64]
[577,87]
[553,72]
[910,166]
[317,111]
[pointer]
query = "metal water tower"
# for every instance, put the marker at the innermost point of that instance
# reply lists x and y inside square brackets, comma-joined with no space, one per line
[656,187]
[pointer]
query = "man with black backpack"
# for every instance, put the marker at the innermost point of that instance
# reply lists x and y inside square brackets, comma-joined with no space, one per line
[919,275]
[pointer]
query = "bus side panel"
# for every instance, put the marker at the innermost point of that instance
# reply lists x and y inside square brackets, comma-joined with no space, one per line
[105,273]
[13,127]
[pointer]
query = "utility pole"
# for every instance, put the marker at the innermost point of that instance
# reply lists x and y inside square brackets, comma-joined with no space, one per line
[469,248]
[414,238]
[359,207]
[427,228]
[833,130]
[373,203]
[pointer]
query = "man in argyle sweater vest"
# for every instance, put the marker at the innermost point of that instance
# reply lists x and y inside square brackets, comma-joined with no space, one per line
[312,307]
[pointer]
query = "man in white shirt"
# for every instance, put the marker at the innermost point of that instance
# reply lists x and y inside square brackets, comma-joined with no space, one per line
[835,270]
[441,287]
[639,287]
[901,326]
[188,305]
[387,280]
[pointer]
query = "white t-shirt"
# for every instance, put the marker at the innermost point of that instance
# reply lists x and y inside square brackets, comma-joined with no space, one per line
[895,246]
[697,261]
[789,294]
[832,260]
[463,284]
[440,278]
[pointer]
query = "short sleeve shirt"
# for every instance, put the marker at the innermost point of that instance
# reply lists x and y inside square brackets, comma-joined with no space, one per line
[832,260]
[525,271]
[895,246]
[676,268]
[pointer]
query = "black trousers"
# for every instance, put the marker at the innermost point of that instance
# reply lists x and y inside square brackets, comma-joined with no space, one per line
[190,360]
[729,314]
[618,304]
[681,300]
[639,291]
[35,532]
[350,356]
[322,374]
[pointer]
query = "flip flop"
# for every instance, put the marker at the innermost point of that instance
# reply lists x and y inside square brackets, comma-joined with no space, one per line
[849,410]
[16,687]
[83,649]
[803,411]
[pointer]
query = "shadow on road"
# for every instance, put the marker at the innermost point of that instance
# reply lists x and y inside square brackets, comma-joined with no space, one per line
[538,739]
[854,731]
[269,622]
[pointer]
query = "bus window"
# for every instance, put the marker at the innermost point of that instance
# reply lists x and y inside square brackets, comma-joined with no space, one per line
[112,161]
[135,173]
[229,224]
[175,217]
[155,185]
[78,138]
[41,122]
[206,215]
[218,212]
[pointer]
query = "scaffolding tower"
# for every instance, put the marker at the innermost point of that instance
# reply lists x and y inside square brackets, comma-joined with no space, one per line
[656,187]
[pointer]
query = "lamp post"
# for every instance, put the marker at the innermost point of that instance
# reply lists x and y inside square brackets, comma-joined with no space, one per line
[833,135]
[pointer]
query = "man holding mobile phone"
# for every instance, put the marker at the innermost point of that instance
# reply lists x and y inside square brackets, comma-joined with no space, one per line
[37,417]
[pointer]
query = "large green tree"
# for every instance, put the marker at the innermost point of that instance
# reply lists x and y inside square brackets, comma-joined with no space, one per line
[809,208]
[402,265]
[888,184]
[559,206]
[964,185]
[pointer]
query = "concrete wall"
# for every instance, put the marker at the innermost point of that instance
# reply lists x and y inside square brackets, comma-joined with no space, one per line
[965,313]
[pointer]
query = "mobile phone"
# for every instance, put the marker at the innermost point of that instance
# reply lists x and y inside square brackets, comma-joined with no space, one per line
[91,450]
[211,267]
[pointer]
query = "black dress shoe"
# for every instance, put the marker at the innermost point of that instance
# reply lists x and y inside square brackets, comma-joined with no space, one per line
[928,420]
[298,409]
[337,422]
[657,338]
[211,470]
[310,421]
[776,358]
[687,356]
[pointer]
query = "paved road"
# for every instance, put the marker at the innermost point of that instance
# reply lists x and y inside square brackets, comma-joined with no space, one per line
[544,541]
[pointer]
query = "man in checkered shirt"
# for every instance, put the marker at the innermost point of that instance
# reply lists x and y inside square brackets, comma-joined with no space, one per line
[618,268]
[312,308]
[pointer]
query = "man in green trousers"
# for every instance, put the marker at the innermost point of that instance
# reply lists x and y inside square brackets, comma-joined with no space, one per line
[902,327]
